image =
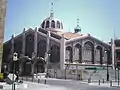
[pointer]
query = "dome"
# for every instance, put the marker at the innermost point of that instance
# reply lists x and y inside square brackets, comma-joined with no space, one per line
[52,23]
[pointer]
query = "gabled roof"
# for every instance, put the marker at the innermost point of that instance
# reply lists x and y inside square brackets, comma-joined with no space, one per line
[29,30]
[87,36]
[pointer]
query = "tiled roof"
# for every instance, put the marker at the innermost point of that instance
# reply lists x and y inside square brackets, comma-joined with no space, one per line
[70,35]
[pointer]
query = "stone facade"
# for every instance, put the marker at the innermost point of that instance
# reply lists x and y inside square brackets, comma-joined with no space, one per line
[32,45]
[50,49]
[2,24]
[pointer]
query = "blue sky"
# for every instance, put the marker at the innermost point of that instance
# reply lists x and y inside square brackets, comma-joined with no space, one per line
[98,17]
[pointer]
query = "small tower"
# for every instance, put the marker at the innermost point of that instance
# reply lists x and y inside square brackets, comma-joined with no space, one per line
[77,29]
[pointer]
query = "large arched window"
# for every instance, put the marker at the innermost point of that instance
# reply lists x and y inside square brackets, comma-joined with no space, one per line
[88,53]
[43,24]
[105,57]
[18,47]
[58,24]
[29,48]
[53,24]
[41,48]
[61,26]
[47,24]
[27,67]
[69,55]
[55,54]
[99,58]
[77,53]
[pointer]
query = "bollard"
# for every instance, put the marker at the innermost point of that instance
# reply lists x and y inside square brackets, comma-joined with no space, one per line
[99,82]
[26,78]
[103,81]
[32,79]
[111,83]
[14,86]
[22,78]
[45,81]
[38,80]
[89,80]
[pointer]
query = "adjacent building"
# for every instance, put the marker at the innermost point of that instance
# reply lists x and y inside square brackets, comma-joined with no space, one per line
[2,25]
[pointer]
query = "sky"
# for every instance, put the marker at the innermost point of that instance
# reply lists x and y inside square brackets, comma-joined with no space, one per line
[100,18]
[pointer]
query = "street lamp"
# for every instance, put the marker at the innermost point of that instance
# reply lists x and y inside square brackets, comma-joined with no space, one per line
[118,67]
[107,67]
[15,55]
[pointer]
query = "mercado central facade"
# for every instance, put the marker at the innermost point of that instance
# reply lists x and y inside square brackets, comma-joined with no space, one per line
[66,54]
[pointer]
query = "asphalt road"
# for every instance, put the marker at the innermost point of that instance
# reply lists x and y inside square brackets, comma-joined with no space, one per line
[73,85]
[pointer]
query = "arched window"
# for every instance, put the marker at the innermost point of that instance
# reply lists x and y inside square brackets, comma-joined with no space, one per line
[58,24]
[77,53]
[41,48]
[99,55]
[43,24]
[61,26]
[69,54]
[53,24]
[55,54]
[88,53]
[47,24]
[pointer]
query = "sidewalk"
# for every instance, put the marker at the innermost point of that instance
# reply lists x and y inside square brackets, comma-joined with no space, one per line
[101,84]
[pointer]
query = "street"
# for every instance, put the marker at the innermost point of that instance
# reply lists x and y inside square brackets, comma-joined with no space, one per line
[72,84]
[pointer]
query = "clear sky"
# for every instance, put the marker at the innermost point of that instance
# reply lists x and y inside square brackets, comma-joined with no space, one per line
[98,17]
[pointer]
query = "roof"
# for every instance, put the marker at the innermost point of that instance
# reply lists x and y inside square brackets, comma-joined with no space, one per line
[70,35]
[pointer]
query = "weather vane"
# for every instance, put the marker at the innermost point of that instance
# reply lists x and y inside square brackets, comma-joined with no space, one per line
[77,21]
[51,13]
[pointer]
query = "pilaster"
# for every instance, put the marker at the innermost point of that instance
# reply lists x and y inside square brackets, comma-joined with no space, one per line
[82,51]
[62,52]
[12,44]
[23,43]
[35,41]
[47,54]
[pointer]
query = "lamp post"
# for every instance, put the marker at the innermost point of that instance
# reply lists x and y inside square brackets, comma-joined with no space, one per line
[118,66]
[118,75]
[15,55]
[107,67]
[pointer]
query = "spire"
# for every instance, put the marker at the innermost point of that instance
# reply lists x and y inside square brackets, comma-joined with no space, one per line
[51,11]
[77,29]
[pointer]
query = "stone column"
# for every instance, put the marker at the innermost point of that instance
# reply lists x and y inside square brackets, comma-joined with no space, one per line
[103,55]
[32,68]
[95,54]
[20,68]
[34,56]
[47,52]
[35,42]
[12,44]
[2,25]
[62,52]
[82,52]
[73,52]
[23,43]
